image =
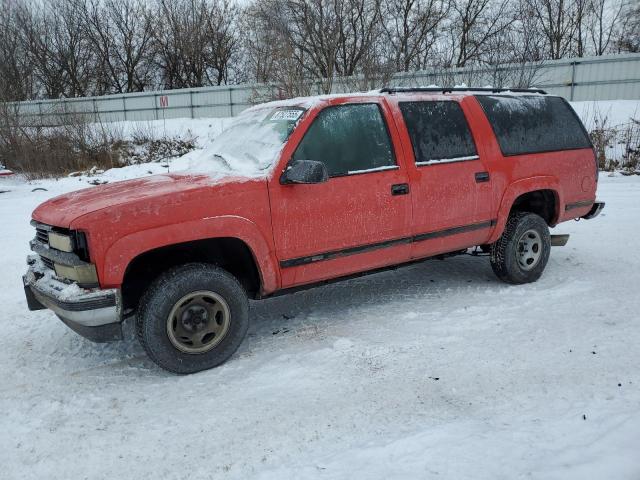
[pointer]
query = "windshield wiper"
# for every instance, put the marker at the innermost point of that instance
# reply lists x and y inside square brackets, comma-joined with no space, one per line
[224,160]
[261,166]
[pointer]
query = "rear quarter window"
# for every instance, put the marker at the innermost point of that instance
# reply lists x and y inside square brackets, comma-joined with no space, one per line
[533,123]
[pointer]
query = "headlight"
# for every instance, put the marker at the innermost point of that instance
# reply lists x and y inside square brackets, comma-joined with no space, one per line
[65,252]
[61,242]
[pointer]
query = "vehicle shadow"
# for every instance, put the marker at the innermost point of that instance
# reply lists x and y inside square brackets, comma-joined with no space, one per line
[305,313]
[335,304]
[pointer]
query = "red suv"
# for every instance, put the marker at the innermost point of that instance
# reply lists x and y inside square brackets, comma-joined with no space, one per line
[318,189]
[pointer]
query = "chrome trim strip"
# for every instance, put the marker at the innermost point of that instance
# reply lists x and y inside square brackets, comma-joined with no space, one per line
[319,257]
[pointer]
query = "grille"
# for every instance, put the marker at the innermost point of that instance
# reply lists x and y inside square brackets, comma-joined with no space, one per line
[47,262]
[42,235]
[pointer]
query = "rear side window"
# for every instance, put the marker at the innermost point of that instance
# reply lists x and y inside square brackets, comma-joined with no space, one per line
[348,139]
[533,124]
[439,132]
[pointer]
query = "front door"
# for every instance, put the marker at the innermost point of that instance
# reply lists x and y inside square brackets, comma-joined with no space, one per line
[360,218]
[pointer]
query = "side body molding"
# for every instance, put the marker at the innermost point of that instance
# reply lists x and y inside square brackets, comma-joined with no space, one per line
[124,250]
[519,187]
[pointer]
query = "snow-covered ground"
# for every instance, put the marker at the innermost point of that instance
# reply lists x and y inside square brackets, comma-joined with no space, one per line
[617,112]
[433,371]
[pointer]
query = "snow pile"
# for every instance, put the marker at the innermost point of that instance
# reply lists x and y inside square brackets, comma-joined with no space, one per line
[200,128]
[159,141]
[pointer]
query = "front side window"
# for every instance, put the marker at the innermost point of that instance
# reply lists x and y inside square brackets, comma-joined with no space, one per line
[439,132]
[348,139]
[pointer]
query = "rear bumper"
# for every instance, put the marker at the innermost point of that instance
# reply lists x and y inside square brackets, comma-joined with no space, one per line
[95,314]
[595,211]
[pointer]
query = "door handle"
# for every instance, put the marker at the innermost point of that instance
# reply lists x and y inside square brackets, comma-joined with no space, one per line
[400,189]
[482,177]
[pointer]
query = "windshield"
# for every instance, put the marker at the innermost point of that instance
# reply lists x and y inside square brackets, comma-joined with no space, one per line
[255,137]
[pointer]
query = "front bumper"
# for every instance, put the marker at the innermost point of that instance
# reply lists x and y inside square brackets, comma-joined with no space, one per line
[96,314]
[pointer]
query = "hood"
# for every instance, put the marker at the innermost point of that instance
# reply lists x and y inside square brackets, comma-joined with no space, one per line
[61,211]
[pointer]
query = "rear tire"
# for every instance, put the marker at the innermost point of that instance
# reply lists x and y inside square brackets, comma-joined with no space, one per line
[192,318]
[521,254]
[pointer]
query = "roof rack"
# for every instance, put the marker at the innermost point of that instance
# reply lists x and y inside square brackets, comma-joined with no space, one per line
[459,89]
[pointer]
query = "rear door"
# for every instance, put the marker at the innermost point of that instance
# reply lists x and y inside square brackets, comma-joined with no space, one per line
[452,196]
[360,218]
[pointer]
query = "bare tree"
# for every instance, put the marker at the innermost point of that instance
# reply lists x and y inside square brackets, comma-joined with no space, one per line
[269,53]
[558,19]
[121,32]
[196,43]
[70,47]
[582,13]
[16,72]
[629,29]
[67,48]
[358,26]
[324,39]
[36,37]
[223,40]
[515,56]
[605,15]
[473,25]
[182,43]
[58,47]
[313,30]
[411,29]
[260,44]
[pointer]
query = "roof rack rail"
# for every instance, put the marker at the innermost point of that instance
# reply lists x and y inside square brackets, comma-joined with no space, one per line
[459,89]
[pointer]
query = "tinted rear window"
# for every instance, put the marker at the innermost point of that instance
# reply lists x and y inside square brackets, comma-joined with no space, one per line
[533,124]
[438,131]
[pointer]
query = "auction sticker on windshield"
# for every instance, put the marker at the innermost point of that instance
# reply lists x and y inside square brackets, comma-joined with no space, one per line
[287,115]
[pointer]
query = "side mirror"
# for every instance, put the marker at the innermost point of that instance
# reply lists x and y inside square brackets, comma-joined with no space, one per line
[304,171]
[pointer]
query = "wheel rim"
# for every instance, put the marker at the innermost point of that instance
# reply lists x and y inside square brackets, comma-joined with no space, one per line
[529,249]
[198,322]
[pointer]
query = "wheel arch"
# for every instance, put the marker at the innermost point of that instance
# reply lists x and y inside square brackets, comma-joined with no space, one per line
[213,240]
[533,195]
[230,254]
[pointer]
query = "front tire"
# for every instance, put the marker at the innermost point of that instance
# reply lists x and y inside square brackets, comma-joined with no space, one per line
[521,254]
[192,318]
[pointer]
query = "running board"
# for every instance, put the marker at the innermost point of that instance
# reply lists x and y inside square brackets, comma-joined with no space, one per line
[559,240]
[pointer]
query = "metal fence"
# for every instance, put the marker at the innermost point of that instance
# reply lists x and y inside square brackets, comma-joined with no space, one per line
[595,78]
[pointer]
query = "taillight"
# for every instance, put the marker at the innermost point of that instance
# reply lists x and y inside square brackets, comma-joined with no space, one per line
[595,160]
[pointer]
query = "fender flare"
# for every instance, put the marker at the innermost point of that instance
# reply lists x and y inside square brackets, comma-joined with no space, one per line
[520,187]
[119,255]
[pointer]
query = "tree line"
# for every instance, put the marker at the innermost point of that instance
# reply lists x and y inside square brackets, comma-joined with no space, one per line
[74,48]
